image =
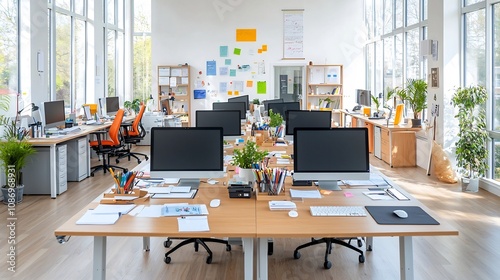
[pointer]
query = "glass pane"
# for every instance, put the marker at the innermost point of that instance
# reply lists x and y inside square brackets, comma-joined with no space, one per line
[8,49]
[369,18]
[142,67]
[399,13]
[470,2]
[142,16]
[379,13]
[496,77]
[288,82]
[398,60]
[496,151]
[63,58]
[412,11]
[120,13]
[120,65]
[370,52]
[111,63]
[65,4]
[475,48]
[412,54]
[80,7]
[387,16]
[388,62]
[379,68]
[110,4]
[425,59]
[424,8]
[79,76]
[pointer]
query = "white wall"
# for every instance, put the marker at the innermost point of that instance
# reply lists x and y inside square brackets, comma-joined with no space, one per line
[192,31]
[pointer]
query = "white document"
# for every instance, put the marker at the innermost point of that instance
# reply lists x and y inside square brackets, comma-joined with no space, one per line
[159,189]
[163,81]
[152,211]
[184,80]
[193,223]
[180,189]
[163,71]
[305,193]
[173,81]
[136,210]
[175,195]
[171,180]
[282,205]
[378,195]
[92,218]
[113,209]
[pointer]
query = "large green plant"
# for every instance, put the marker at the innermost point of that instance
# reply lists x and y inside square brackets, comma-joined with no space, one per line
[250,154]
[134,105]
[415,94]
[471,149]
[275,119]
[13,154]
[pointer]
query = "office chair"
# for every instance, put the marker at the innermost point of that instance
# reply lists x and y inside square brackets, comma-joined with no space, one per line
[133,133]
[329,243]
[108,147]
[197,242]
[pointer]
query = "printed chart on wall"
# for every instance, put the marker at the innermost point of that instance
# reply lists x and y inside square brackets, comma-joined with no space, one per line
[293,34]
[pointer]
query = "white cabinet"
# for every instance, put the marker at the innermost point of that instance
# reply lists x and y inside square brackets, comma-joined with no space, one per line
[78,159]
[377,149]
[62,178]
[149,121]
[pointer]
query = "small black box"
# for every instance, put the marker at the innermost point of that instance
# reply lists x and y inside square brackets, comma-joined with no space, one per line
[240,191]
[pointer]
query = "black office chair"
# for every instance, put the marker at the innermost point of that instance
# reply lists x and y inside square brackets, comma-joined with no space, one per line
[329,242]
[197,241]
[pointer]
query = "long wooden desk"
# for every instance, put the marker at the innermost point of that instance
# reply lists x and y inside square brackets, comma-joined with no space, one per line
[53,141]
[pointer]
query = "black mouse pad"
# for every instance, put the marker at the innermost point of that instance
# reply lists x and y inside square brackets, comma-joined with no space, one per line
[384,215]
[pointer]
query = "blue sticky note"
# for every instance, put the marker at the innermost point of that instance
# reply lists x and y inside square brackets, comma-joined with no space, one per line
[223,51]
[211,68]
[200,94]
[232,72]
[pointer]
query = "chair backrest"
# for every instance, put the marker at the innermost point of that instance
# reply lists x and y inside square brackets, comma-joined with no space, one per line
[114,129]
[137,120]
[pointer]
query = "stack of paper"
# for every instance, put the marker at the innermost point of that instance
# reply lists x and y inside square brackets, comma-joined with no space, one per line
[92,218]
[281,205]
[184,210]
[305,193]
[195,223]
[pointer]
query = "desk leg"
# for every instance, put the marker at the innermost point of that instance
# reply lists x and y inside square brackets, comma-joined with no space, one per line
[53,171]
[262,258]
[248,257]
[145,243]
[369,243]
[99,258]
[406,257]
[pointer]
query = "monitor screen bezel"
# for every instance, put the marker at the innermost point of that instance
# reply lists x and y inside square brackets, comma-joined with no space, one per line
[364,97]
[241,108]
[228,113]
[290,129]
[56,105]
[114,101]
[284,104]
[267,102]
[241,98]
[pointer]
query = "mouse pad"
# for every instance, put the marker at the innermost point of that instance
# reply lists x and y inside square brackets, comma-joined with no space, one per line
[384,215]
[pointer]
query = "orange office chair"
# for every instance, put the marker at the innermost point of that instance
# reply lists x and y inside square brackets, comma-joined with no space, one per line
[108,147]
[133,133]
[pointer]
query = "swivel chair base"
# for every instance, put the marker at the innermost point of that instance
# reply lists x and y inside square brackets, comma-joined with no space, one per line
[329,241]
[105,167]
[197,242]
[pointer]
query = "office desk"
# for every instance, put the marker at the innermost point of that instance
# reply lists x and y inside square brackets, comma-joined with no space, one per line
[52,143]
[233,218]
[278,224]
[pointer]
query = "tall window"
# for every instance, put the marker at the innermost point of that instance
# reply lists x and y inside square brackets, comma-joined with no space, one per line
[496,93]
[475,48]
[142,49]
[114,46]
[9,83]
[63,59]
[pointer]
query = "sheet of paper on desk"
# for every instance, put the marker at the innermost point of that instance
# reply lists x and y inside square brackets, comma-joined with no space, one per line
[305,193]
[378,195]
[152,211]
[193,223]
[375,180]
[189,194]
[282,161]
[113,209]
[180,189]
[92,218]
[159,189]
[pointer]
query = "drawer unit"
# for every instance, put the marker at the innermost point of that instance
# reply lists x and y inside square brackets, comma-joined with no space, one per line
[385,145]
[62,178]
[78,159]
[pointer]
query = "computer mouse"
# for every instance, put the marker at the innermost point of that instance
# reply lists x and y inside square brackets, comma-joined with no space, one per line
[293,214]
[215,203]
[401,213]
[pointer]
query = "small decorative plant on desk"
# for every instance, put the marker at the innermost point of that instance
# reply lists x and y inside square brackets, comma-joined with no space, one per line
[376,102]
[246,157]
[471,150]
[275,122]
[14,151]
[132,106]
[255,101]
[415,93]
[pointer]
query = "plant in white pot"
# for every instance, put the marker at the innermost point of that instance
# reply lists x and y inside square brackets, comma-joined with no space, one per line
[245,159]
[471,151]
[275,121]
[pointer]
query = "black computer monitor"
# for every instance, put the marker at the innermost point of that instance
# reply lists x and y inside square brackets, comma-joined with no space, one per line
[307,119]
[229,120]
[364,97]
[241,98]
[53,114]
[189,153]
[267,102]
[112,105]
[281,108]
[329,155]
[240,106]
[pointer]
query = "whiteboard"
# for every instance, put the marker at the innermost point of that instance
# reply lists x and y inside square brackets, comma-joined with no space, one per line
[293,34]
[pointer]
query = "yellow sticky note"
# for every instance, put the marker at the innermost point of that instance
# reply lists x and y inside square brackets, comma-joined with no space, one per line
[259,51]
[249,83]
[264,48]
[246,35]
[229,92]
[236,92]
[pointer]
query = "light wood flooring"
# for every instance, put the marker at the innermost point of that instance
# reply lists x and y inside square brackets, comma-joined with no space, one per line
[474,254]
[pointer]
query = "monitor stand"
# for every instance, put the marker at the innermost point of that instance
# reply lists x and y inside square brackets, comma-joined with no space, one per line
[193,183]
[330,185]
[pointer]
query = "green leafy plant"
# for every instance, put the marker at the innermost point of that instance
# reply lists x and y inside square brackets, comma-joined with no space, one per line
[376,101]
[248,155]
[256,101]
[327,101]
[134,105]
[275,119]
[471,150]
[415,94]
[13,154]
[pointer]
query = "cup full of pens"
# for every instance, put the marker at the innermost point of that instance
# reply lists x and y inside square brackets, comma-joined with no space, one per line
[124,181]
[270,180]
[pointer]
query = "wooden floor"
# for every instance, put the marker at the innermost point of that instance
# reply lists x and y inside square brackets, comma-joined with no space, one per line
[474,254]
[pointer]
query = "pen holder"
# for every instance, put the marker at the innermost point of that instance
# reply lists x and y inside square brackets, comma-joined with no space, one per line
[136,192]
[268,194]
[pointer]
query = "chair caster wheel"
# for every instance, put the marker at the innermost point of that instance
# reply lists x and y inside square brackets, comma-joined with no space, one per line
[327,265]
[147,158]
[361,259]
[138,161]
[117,161]
[91,174]
[369,248]
[167,260]
[228,248]
[126,170]
[167,243]
[209,260]
[296,255]
[360,243]
[270,248]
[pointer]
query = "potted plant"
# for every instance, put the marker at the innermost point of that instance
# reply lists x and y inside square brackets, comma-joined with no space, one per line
[377,103]
[471,151]
[327,101]
[275,121]
[132,106]
[246,157]
[255,101]
[14,152]
[415,94]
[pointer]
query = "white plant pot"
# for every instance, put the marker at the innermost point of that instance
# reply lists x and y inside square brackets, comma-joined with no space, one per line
[246,174]
[470,185]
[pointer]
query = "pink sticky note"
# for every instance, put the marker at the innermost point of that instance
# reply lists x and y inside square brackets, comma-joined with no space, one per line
[348,194]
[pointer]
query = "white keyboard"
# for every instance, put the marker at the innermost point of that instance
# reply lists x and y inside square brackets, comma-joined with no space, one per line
[70,129]
[338,211]
[90,122]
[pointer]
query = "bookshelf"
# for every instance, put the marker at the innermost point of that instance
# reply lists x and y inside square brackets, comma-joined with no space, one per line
[324,89]
[174,85]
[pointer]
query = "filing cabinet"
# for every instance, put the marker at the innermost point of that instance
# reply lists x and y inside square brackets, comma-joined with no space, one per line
[78,159]
[62,174]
